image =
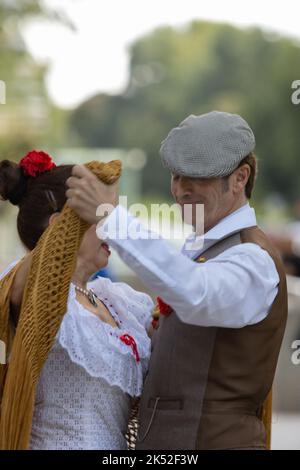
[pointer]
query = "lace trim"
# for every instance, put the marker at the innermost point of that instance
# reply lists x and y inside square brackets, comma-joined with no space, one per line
[96,346]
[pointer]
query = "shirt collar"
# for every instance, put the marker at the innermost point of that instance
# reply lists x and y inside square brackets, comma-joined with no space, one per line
[242,218]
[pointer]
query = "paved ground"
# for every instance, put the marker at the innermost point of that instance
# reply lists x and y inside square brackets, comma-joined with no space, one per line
[286,431]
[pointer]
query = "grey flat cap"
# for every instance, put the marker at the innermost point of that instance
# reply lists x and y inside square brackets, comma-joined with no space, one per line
[209,145]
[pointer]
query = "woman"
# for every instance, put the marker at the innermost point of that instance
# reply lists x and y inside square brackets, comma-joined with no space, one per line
[101,351]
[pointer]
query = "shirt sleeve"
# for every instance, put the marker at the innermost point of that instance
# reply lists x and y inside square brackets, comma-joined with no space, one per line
[235,289]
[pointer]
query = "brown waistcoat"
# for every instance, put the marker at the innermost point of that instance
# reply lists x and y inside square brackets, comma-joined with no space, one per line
[206,386]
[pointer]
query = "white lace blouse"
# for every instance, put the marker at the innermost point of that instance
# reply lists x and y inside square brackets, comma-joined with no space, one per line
[84,390]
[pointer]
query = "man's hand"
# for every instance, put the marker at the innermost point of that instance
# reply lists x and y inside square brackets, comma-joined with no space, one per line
[88,197]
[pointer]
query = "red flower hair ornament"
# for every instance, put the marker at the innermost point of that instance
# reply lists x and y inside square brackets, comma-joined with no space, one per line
[36,162]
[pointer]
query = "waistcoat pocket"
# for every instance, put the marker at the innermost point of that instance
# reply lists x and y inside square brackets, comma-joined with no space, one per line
[163,404]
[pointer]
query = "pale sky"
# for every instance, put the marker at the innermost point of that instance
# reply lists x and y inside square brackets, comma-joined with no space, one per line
[95,57]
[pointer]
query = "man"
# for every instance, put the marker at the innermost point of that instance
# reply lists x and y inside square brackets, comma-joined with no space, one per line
[214,357]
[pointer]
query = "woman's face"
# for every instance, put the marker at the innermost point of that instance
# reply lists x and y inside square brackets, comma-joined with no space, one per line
[93,251]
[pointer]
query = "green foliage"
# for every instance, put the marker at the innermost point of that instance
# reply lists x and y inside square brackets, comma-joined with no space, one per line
[27,119]
[192,70]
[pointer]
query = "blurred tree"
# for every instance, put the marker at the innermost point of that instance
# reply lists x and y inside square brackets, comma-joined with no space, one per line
[26,119]
[192,70]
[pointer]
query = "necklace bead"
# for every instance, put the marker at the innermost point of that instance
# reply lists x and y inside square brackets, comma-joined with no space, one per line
[89,294]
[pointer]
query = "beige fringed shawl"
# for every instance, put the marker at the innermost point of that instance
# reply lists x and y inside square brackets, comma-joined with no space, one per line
[43,307]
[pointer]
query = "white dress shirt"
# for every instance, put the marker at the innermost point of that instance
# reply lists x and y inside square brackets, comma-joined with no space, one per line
[234,289]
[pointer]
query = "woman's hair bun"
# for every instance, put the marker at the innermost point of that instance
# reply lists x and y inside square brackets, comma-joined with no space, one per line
[12,182]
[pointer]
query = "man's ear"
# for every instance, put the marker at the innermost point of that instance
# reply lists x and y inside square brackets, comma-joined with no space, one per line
[53,217]
[241,177]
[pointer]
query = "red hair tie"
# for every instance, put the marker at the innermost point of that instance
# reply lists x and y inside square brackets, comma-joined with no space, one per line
[36,162]
[129,341]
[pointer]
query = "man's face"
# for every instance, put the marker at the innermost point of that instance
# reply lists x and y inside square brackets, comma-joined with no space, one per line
[214,193]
